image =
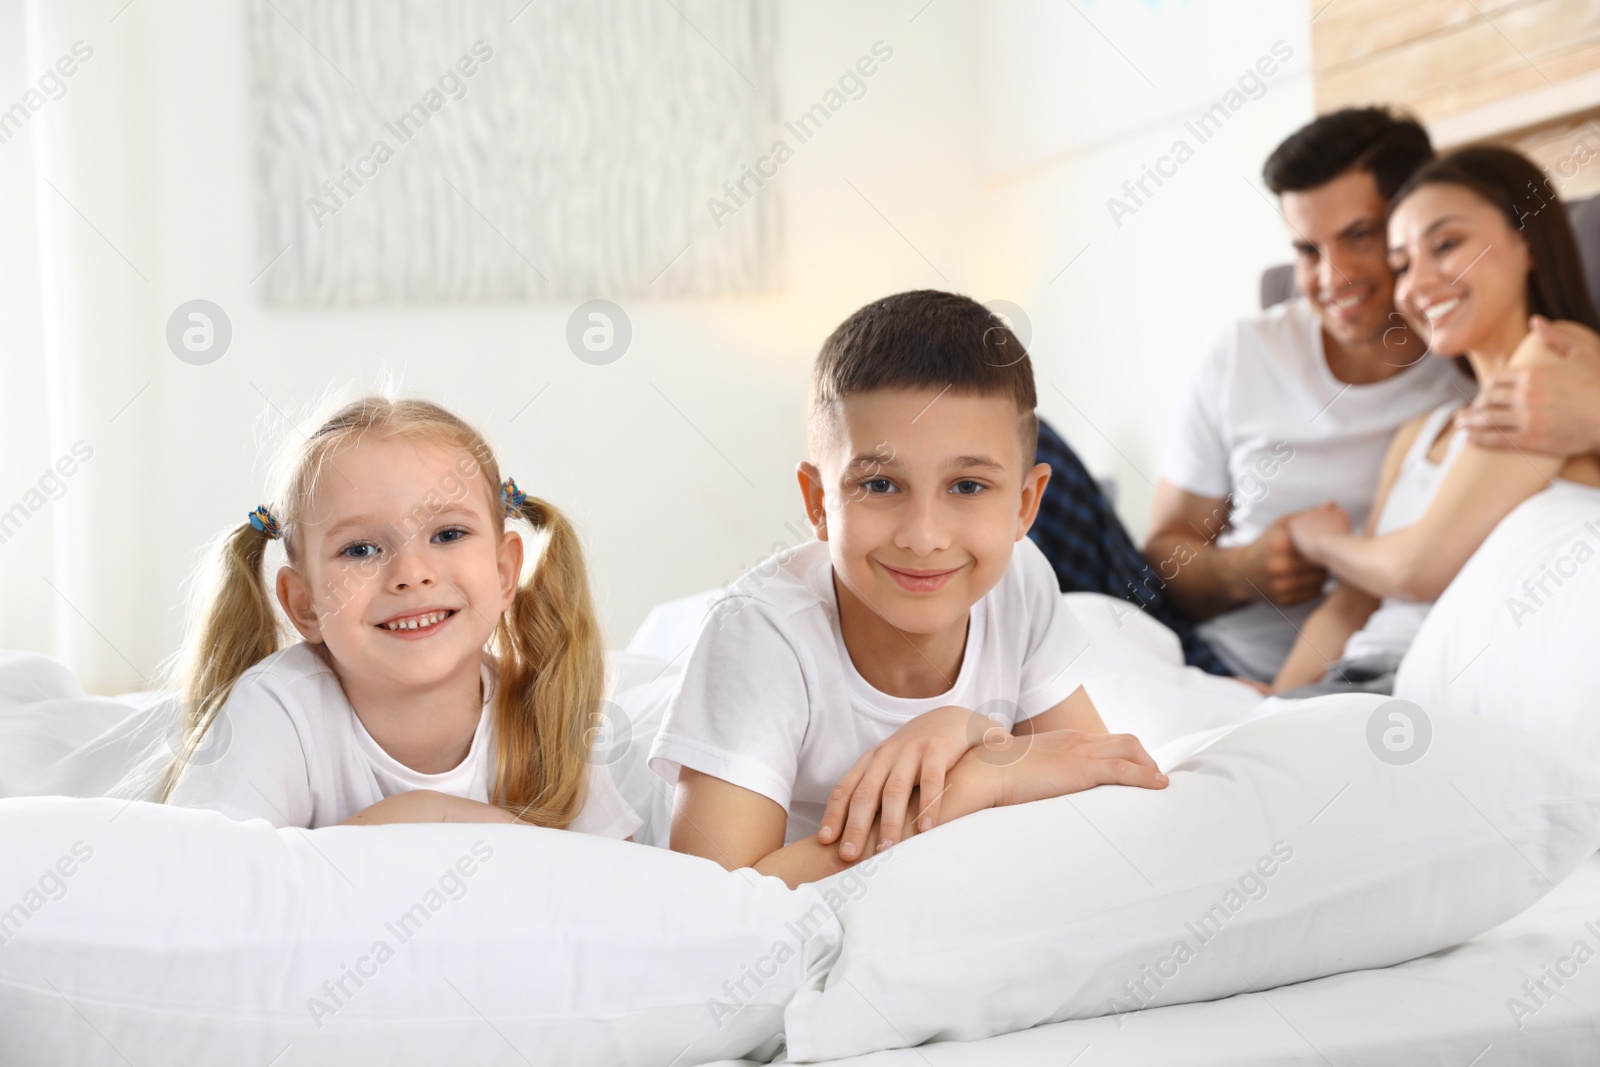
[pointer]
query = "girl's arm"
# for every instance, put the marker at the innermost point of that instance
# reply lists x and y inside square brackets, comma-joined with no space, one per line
[1322,639]
[427,805]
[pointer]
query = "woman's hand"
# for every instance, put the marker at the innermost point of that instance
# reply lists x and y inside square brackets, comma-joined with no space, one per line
[918,755]
[1547,400]
[1311,530]
[427,805]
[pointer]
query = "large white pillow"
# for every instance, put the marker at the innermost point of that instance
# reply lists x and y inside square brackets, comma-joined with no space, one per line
[1516,636]
[148,934]
[1300,845]
[1134,672]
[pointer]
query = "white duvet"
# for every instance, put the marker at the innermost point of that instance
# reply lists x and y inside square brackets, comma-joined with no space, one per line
[182,936]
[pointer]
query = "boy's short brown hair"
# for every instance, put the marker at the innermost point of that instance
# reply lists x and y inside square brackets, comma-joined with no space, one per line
[927,339]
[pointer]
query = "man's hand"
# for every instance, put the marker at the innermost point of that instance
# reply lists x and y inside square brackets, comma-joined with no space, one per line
[1551,405]
[919,754]
[1016,770]
[1277,569]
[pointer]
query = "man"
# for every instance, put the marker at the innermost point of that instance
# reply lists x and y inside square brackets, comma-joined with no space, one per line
[1091,552]
[1296,406]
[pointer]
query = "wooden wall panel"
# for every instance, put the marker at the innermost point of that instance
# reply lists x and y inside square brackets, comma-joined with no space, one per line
[1519,72]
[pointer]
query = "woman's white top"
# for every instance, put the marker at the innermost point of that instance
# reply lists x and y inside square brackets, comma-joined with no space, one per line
[289,748]
[1391,629]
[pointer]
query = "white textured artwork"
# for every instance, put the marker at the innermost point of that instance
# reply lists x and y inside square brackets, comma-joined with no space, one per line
[482,150]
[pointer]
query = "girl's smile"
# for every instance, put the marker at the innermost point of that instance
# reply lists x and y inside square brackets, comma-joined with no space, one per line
[417,625]
[402,576]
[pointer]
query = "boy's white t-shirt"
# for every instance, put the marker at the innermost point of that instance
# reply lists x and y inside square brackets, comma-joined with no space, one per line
[296,754]
[770,700]
[1265,424]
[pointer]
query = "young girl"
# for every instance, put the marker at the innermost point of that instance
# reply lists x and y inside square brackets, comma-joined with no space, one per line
[431,683]
[1483,265]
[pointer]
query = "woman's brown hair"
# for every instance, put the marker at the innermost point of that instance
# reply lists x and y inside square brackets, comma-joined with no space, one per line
[1521,191]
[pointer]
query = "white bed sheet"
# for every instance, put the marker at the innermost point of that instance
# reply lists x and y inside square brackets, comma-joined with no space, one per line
[1451,1009]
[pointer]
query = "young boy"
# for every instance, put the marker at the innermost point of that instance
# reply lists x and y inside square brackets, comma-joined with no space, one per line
[917,654]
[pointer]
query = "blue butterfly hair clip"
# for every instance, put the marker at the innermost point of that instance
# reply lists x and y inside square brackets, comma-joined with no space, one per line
[263,519]
[512,497]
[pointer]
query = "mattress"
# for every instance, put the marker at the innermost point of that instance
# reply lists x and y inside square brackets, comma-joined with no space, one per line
[1526,992]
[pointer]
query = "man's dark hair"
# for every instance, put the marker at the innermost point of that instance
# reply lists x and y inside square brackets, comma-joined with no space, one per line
[1388,146]
[927,339]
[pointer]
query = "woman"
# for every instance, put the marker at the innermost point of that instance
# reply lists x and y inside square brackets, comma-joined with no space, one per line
[1490,277]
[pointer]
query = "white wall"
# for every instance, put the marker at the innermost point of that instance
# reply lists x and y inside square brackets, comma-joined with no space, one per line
[945,174]
[1069,116]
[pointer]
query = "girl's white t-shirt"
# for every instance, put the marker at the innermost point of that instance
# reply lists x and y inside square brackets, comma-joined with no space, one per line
[289,748]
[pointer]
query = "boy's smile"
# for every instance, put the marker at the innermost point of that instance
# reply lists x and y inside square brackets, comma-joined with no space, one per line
[919,581]
[920,495]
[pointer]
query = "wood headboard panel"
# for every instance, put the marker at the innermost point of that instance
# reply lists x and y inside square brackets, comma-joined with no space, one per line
[1524,73]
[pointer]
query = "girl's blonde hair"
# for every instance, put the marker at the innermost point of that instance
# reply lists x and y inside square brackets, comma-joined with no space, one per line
[547,645]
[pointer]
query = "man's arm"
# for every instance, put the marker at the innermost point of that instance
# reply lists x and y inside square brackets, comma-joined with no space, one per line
[1204,580]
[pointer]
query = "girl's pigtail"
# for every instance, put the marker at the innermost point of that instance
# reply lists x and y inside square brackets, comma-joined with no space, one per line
[553,681]
[237,628]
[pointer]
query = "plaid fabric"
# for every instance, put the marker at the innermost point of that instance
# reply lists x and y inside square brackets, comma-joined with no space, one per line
[1084,541]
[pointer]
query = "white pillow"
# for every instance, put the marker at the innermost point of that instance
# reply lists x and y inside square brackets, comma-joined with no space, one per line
[1529,596]
[637,714]
[1134,672]
[148,934]
[1298,846]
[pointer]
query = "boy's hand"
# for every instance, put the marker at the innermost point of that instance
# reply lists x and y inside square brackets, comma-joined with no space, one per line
[919,754]
[1016,770]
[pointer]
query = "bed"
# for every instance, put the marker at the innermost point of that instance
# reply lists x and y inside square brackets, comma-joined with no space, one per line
[1453,1008]
[1446,912]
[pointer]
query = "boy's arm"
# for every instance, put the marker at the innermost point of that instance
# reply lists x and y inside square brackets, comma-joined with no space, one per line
[738,827]
[1077,712]
[1052,763]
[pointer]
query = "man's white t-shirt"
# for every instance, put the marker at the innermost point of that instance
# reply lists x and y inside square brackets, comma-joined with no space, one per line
[1264,424]
[770,699]
[296,754]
